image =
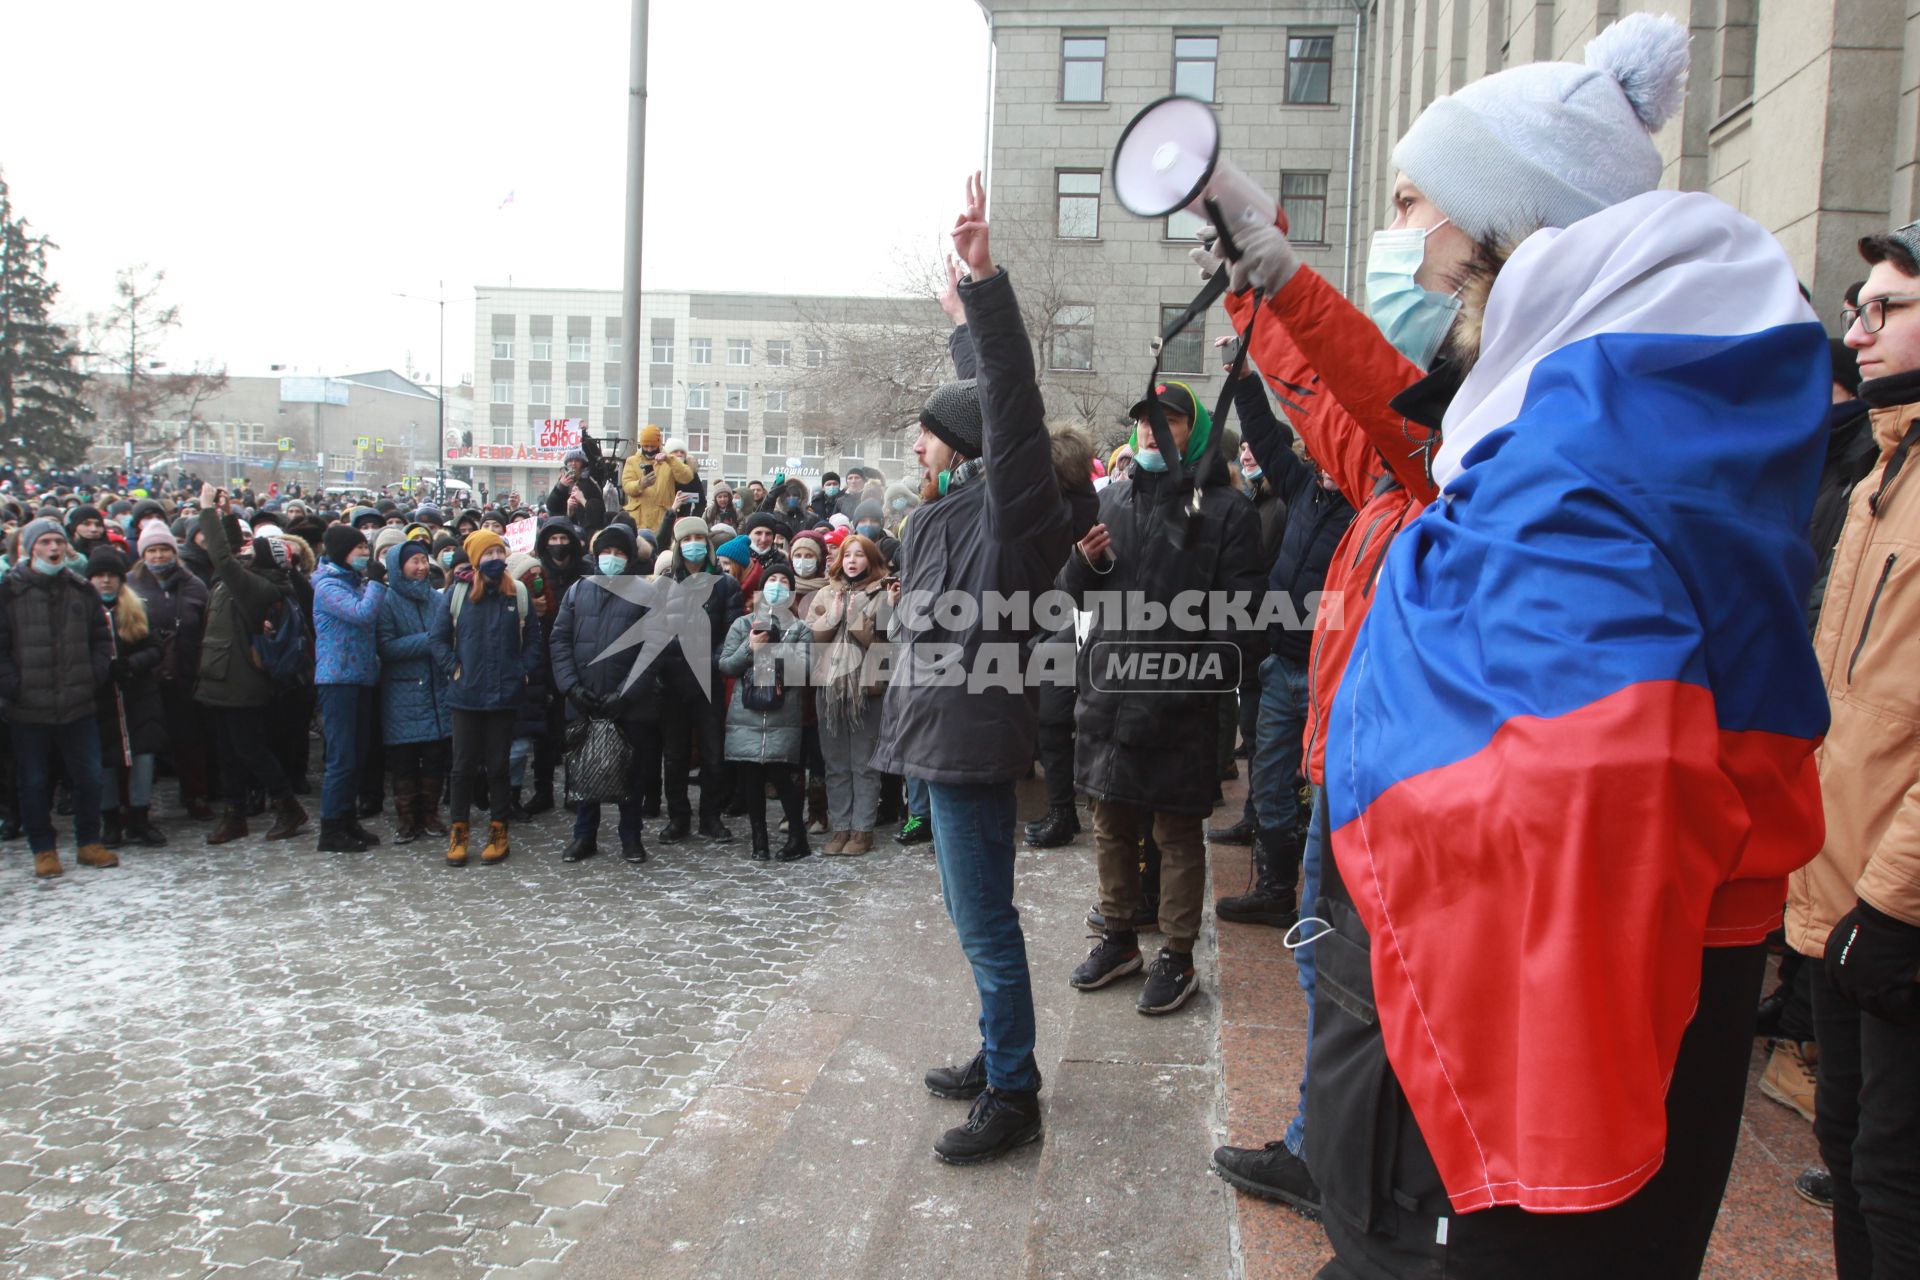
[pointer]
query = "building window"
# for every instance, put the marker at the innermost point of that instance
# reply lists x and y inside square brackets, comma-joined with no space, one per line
[663,350]
[777,401]
[736,397]
[851,449]
[1196,62]
[1077,205]
[739,351]
[1734,69]
[503,391]
[890,448]
[502,435]
[1072,343]
[613,395]
[779,352]
[660,398]
[1186,352]
[816,355]
[613,350]
[775,443]
[540,349]
[698,397]
[813,445]
[698,440]
[503,348]
[736,439]
[577,393]
[539,393]
[1304,197]
[1184,226]
[699,350]
[1310,67]
[579,348]
[1083,69]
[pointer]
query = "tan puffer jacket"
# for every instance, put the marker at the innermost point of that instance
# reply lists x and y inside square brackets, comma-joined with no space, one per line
[1869,648]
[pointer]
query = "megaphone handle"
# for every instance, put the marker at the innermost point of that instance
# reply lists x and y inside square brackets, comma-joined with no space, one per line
[1227,246]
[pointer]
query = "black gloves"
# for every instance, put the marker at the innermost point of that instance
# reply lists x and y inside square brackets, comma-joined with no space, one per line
[376,570]
[1872,960]
[585,700]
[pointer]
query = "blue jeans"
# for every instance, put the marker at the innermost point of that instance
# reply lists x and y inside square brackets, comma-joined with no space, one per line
[1275,759]
[78,743]
[918,805]
[973,847]
[346,719]
[1296,1137]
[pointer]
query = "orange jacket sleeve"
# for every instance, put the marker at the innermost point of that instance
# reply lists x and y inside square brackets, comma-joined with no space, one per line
[1310,337]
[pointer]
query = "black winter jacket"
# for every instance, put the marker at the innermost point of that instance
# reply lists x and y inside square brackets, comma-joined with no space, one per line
[177,617]
[243,594]
[55,646]
[127,708]
[591,620]
[1316,519]
[1851,454]
[1005,530]
[1151,743]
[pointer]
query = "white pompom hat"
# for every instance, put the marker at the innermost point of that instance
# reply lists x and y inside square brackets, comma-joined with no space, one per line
[1548,143]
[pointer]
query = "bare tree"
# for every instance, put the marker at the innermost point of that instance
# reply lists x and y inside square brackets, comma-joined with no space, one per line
[130,391]
[879,359]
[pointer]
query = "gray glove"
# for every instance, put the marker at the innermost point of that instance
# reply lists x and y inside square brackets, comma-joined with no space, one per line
[1267,260]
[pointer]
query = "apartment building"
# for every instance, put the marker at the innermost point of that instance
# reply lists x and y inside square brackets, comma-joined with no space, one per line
[742,378]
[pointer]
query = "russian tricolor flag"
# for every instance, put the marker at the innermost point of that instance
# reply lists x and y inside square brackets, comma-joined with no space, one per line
[1574,744]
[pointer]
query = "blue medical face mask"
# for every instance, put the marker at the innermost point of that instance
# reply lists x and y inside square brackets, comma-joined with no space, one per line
[1413,319]
[48,567]
[446,559]
[899,504]
[694,553]
[1250,474]
[1150,460]
[776,593]
[832,490]
[869,531]
[611,565]
[359,563]
[108,597]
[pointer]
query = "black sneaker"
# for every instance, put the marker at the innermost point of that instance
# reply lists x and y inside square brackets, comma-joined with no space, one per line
[1815,1186]
[962,1083]
[1001,1120]
[1169,982]
[1271,1172]
[1113,957]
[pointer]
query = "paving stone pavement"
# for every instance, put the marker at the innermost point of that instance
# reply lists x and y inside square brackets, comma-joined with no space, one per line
[260,1060]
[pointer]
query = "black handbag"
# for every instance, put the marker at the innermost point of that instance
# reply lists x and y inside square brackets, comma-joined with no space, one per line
[599,761]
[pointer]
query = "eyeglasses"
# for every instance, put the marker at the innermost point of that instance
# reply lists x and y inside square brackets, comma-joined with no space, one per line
[1872,313]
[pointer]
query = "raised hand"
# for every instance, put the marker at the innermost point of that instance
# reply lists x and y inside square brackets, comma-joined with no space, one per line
[970,231]
[950,296]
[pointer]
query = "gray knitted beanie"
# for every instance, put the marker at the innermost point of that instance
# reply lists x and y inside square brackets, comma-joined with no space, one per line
[953,414]
[1548,143]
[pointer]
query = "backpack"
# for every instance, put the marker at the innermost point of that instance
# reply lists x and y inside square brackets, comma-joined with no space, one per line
[281,649]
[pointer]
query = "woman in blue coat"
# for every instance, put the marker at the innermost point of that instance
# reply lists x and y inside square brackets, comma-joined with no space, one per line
[486,641]
[415,719]
[347,668]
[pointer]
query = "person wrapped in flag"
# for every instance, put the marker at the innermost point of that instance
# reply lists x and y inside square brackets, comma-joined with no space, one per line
[1569,760]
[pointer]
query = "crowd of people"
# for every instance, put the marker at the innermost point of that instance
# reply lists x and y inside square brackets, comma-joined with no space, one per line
[1617,542]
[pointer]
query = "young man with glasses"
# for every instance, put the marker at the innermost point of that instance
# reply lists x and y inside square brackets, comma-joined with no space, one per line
[1855,909]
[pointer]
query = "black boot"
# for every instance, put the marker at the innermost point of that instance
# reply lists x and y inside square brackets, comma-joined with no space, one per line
[337,836]
[360,833]
[963,1083]
[140,827]
[1271,1172]
[113,832]
[1240,832]
[757,823]
[675,831]
[1001,1120]
[713,829]
[542,799]
[634,850]
[1057,828]
[579,849]
[517,812]
[1276,879]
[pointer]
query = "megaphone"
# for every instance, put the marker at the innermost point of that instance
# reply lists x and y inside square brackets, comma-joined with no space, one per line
[1169,160]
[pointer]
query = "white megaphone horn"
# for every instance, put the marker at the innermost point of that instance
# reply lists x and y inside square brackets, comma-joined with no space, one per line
[1169,159]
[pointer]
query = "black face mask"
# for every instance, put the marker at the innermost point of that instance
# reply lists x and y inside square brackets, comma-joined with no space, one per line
[560,550]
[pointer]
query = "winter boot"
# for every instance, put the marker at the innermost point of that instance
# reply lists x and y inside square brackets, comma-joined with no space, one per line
[497,848]
[1789,1077]
[97,855]
[858,843]
[288,817]
[337,836]
[817,805]
[542,796]
[1276,879]
[457,845]
[796,846]
[232,826]
[140,828]
[406,823]
[428,812]
[360,833]
[714,829]
[1001,1120]
[113,832]
[757,824]
[46,864]
[1057,828]
[1241,832]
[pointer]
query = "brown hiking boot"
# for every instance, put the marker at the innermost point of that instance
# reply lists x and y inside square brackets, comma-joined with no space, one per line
[232,826]
[97,855]
[837,843]
[427,810]
[497,848]
[457,845]
[858,842]
[46,864]
[1790,1075]
[288,818]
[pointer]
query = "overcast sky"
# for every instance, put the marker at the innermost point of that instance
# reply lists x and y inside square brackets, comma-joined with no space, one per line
[292,167]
